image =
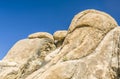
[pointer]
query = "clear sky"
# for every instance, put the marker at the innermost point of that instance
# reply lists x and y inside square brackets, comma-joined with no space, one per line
[19,18]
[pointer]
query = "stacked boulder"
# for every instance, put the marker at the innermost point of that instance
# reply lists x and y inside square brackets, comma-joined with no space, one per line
[59,37]
[90,49]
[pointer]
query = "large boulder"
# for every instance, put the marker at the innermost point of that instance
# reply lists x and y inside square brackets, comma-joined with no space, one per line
[93,18]
[90,49]
[25,57]
[23,49]
[102,63]
[89,39]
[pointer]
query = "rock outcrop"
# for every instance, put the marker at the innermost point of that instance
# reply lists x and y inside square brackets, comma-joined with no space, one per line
[90,49]
[59,37]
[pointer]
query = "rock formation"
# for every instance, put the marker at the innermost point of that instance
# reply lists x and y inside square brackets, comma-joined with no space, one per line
[59,37]
[90,49]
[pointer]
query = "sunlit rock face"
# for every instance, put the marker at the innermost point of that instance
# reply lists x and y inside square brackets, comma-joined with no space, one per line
[89,49]
[59,37]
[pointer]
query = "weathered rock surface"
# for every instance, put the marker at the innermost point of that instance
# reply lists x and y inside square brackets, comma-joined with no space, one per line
[59,37]
[28,54]
[41,35]
[90,49]
[23,49]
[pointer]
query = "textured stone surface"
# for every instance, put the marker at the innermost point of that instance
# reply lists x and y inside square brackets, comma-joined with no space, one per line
[23,49]
[90,49]
[98,65]
[41,35]
[25,57]
[93,18]
[60,35]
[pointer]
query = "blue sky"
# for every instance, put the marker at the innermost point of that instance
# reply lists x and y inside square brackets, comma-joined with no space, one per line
[19,18]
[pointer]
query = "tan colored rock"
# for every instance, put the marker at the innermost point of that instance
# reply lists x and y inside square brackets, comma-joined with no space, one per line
[29,54]
[23,49]
[60,35]
[41,35]
[80,43]
[51,55]
[8,70]
[8,64]
[93,18]
[36,60]
[98,65]
[90,50]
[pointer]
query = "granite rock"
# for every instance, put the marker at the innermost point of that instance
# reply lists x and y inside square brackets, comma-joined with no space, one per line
[90,49]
